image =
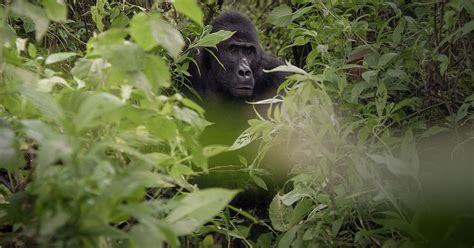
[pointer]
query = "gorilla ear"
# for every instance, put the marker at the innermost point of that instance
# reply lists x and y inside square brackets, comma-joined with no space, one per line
[203,60]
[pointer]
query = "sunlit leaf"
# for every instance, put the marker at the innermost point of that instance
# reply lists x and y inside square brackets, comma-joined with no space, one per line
[35,13]
[56,9]
[95,106]
[197,208]
[245,138]
[7,149]
[58,57]
[280,214]
[280,16]
[191,9]
[212,39]
[47,84]
[44,102]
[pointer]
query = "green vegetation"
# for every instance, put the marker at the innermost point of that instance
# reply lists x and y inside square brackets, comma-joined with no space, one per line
[373,130]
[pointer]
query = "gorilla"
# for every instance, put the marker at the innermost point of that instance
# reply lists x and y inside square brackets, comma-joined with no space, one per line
[224,85]
[239,75]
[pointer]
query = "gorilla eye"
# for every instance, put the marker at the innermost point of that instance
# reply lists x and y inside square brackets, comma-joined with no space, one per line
[233,49]
[248,50]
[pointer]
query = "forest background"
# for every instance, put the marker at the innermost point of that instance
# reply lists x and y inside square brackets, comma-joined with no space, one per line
[99,148]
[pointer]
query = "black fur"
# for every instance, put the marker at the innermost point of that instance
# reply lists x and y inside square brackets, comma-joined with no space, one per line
[241,53]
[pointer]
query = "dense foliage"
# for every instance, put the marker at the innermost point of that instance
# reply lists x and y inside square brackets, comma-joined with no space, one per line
[373,130]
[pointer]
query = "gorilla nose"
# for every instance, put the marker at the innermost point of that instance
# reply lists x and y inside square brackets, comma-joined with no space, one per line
[244,73]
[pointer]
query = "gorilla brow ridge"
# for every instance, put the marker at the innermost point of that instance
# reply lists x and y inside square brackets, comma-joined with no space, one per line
[235,21]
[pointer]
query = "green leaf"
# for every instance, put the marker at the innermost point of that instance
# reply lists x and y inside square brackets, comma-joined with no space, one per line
[213,150]
[397,73]
[53,146]
[381,99]
[280,215]
[280,16]
[121,21]
[56,10]
[95,106]
[413,101]
[157,72]
[245,138]
[302,209]
[44,102]
[368,76]
[384,59]
[211,40]
[47,84]
[140,30]
[190,9]
[288,67]
[98,13]
[434,130]
[35,13]
[126,56]
[467,28]
[258,181]
[288,237]
[444,63]
[162,127]
[397,33]
[191,117]
[192,105]
[58,57]
[336,226]
[90,70]
[149,31]
[147,235]
[32,50]
[468,5]
[197,208]
[167,36]
[8,154]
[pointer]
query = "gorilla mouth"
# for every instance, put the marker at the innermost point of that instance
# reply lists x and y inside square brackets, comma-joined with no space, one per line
[244,88]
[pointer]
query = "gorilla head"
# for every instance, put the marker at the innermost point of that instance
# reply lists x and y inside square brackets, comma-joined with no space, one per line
[240,55]
[238,71]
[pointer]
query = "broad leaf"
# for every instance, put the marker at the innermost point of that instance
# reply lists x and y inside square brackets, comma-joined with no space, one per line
[197,208]
[190,9]
[58,57]
[56,9]
[211,40]
[95,106]
[280,16]
[35,13]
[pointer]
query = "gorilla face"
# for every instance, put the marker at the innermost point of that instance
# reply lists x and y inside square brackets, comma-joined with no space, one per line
[237,73]
[241,60]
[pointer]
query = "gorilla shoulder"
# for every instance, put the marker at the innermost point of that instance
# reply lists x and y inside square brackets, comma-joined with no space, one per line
[241,76]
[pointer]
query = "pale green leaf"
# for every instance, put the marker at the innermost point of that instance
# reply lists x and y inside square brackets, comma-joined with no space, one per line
[280,215]
[213,150]
[191,9]
[197,208]
[384,59]
[47,84]
[259,181]
[140,30]
[280,16]
[58,57]
[35,13]
[44,102]
[95,106]
[245,138]
[211,40]
[56,9]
